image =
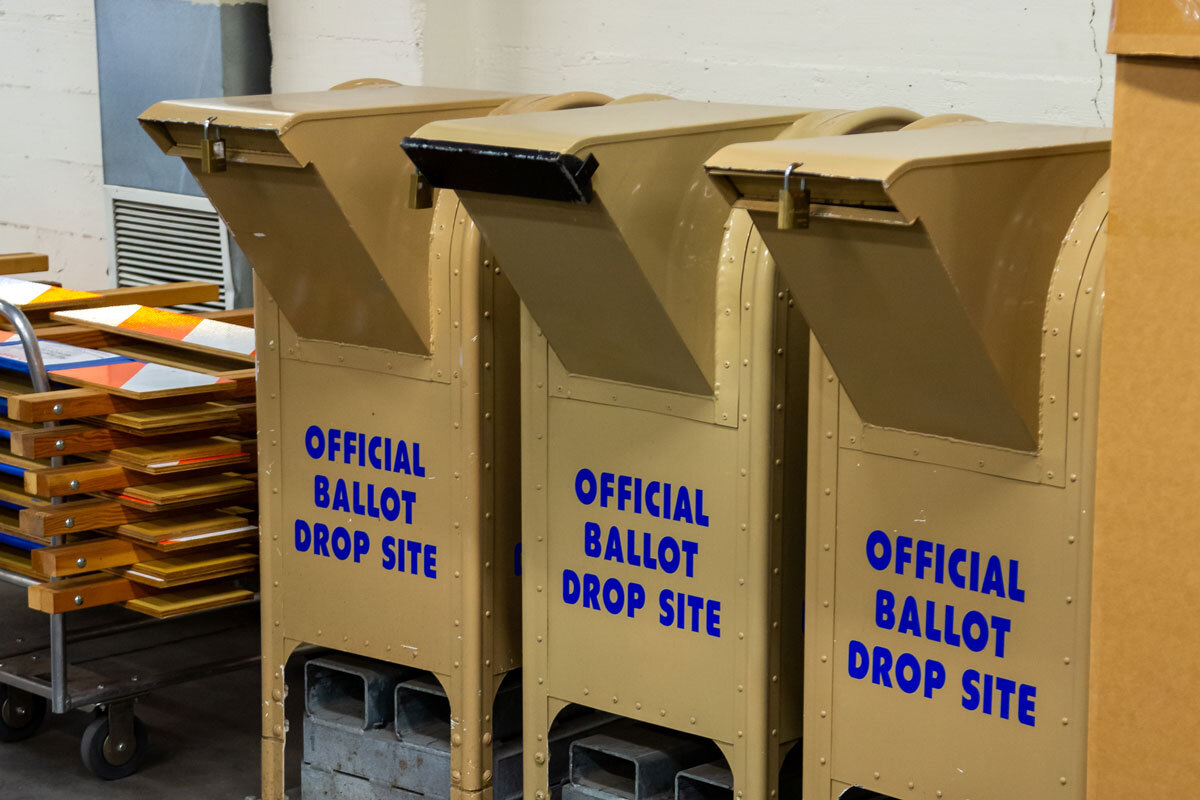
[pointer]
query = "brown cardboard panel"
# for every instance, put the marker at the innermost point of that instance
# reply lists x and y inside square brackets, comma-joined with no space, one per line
[1155,27]
[1145,671]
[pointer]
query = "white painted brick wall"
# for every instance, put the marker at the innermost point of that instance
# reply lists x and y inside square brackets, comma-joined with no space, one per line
[317,44]
[51,185]
[1038,60]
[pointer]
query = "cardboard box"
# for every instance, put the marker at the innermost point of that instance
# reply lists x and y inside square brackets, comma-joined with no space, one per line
[1145,670]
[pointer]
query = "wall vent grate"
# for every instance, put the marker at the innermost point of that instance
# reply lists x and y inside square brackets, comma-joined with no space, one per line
[159,242]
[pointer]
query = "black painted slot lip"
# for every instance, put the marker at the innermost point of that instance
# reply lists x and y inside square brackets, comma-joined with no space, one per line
[515,171]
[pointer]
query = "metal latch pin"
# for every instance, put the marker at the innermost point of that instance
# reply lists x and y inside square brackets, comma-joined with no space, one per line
[212,151]
[793,203]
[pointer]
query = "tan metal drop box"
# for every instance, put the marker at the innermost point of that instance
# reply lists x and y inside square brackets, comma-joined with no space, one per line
[388,396]
[953,280]
[663,558]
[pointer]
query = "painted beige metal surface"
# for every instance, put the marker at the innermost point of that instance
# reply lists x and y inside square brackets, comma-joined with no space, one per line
[437,590]
[277,113]
[388,474]
[658,348]
[887,158]
[926,675]
[637,307]
[620,123]
[961,285]
[332,232]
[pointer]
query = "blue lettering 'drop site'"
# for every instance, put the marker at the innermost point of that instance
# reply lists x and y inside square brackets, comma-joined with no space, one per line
[966,630]
[667,555]
[384,460]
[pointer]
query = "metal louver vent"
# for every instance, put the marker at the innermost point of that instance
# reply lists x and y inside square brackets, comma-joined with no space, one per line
[168,238]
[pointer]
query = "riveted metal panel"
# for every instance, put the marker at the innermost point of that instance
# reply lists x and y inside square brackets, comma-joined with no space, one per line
[389,405]
[949,580]
[616,417]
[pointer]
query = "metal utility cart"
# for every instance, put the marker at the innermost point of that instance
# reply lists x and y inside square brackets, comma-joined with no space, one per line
[113,658]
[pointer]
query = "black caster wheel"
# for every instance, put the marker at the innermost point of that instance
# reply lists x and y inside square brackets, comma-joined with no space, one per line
[110,759]
[21,714]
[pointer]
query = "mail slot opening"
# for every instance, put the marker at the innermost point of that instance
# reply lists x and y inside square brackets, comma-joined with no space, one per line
[517,171]
[605,226]
[859,793]
[315,190]
[919,269]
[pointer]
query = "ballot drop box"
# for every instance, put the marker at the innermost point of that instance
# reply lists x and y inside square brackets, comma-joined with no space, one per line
[388,348]
[663,551]
[953,281]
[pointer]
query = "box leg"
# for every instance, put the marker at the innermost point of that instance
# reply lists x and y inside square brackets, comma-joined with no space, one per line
[756,770]
[471,743]
[535,753]
[276,651]
[272,769]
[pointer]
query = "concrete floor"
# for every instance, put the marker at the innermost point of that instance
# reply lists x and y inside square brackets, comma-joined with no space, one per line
[203,745]
[203,740]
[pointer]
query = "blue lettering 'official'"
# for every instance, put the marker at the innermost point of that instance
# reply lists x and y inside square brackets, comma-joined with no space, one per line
[363,450]
[923,559]
[631,493]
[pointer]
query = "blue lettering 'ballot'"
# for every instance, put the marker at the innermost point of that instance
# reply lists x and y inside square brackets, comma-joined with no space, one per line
[364,499]
[973,629]
[666,554]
